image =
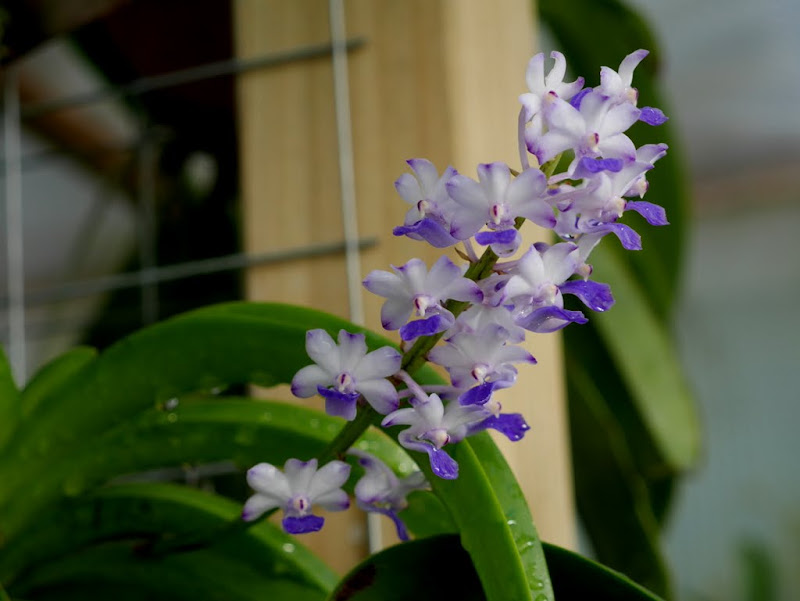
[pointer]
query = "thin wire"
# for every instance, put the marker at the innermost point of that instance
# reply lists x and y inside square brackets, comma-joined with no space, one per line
[180,271]
[192,74]
[15,277]
[341,94]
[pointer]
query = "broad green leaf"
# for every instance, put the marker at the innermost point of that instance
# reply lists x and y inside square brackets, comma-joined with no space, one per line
[208,348]
[645,357]
[429,569]
[576,578]
[439,568]
[658,265]
[612,497]
[145,512]
[9,401]
[500,540]
[197,431]
[197,576]
[54,377]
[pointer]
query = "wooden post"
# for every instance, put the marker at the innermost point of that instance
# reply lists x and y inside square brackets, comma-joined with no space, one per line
[437,79]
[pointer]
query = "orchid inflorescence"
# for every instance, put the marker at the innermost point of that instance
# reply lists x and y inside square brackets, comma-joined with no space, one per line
[481,310]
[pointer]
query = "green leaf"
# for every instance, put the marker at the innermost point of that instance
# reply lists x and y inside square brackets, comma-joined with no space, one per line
[197,431]
[576,578]
[54,377]
[429,569]
[9,401]
[645,358]
[146,511]
[493,521]
[212,347]
[197,576]
[612,497]
[438,568]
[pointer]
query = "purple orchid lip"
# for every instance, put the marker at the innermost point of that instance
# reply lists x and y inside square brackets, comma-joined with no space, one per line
[303,525]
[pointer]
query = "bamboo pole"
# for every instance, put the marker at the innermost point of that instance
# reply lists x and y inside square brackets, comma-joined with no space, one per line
[437,79]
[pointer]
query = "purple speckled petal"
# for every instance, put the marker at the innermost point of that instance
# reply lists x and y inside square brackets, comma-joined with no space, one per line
[334,500]
[352,348]
[339,404]
[384,283]
[306,381]
[380,363]
[653,116]
[380,394]
[477,395]
[653,213]
[550,319]
[429,230]
[257,505]
[408,188]
[395,312]
[330,477]
[303,525]
[322,350]
[425,327]
[512,425]
[595,295]
[498,237]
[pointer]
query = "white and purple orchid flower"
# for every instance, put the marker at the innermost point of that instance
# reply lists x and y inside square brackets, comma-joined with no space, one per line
[413,290]
[342,373]
[379,490]
[296,490]
[495,201]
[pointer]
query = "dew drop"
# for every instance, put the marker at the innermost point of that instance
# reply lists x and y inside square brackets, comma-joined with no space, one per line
[512,522]
[289,548]
[540,598]
[172,417]
[538,584]
[171,404]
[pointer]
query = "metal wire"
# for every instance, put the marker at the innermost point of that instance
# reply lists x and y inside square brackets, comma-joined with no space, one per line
[341,93]
[190,75]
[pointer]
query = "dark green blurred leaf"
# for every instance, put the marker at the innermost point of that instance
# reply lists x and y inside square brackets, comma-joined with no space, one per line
[612,497]
[197,431]
[429,569]
[55,376]
[197,576]
[439,568]
[144,512]
[576,578]
[493,520]
[645,358]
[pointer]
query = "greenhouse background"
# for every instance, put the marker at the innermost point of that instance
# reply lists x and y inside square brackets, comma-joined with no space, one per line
[121,165]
